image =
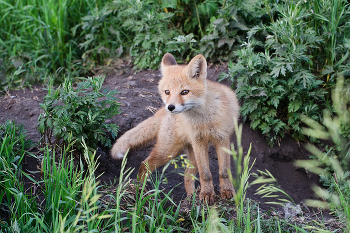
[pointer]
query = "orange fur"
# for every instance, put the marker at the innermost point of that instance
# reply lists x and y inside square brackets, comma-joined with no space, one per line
[197,112]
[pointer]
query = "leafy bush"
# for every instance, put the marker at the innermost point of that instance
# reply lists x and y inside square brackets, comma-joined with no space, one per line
[219,39]
[192,16]
[149,29]
[286,80]
[100,36]
[230,26]
[80,112]
[184,46]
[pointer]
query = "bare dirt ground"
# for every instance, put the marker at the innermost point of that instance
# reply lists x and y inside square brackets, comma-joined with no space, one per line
[139,100]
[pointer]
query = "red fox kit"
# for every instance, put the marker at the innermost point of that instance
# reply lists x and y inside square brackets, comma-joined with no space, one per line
[197,112]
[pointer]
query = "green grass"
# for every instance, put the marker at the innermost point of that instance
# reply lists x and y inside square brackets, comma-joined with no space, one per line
[36,38]
[69,198]
[14,205]
[331,163]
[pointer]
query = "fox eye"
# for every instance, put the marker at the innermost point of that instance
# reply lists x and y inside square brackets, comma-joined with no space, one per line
[185,92]
[167,92]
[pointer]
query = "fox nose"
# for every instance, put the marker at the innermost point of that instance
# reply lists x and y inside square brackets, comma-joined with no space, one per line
[171,107]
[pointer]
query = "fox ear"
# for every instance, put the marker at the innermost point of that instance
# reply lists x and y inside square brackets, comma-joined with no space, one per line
[168,60]
[197,68]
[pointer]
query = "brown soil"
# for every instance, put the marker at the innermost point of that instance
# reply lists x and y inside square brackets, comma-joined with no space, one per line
[139,100]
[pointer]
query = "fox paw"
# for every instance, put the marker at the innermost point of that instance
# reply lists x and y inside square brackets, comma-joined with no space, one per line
[227,194]
[207,197]
[117,154]
[143,171]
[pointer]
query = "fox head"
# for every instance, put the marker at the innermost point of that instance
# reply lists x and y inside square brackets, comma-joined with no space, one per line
[183,87]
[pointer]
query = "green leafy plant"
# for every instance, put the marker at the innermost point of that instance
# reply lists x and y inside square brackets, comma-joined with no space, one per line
[19,72]
[183,45]
[229,27]
[149,29]
[219,39]
[279,85]
[80,111]
[192,16]
[101,35]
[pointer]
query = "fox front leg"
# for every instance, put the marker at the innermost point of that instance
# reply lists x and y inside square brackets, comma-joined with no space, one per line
[207,189]
[226,188]
[191,171]
[167,147]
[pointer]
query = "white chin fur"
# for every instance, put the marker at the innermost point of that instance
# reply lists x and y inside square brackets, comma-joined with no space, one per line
[178,109]
[175,112]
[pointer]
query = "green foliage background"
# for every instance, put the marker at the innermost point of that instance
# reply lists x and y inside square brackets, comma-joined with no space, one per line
[286,67]
[283,55]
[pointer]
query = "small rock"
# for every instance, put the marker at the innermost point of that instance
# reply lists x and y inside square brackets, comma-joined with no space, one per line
[291,210]
[127,103]
[131,83]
